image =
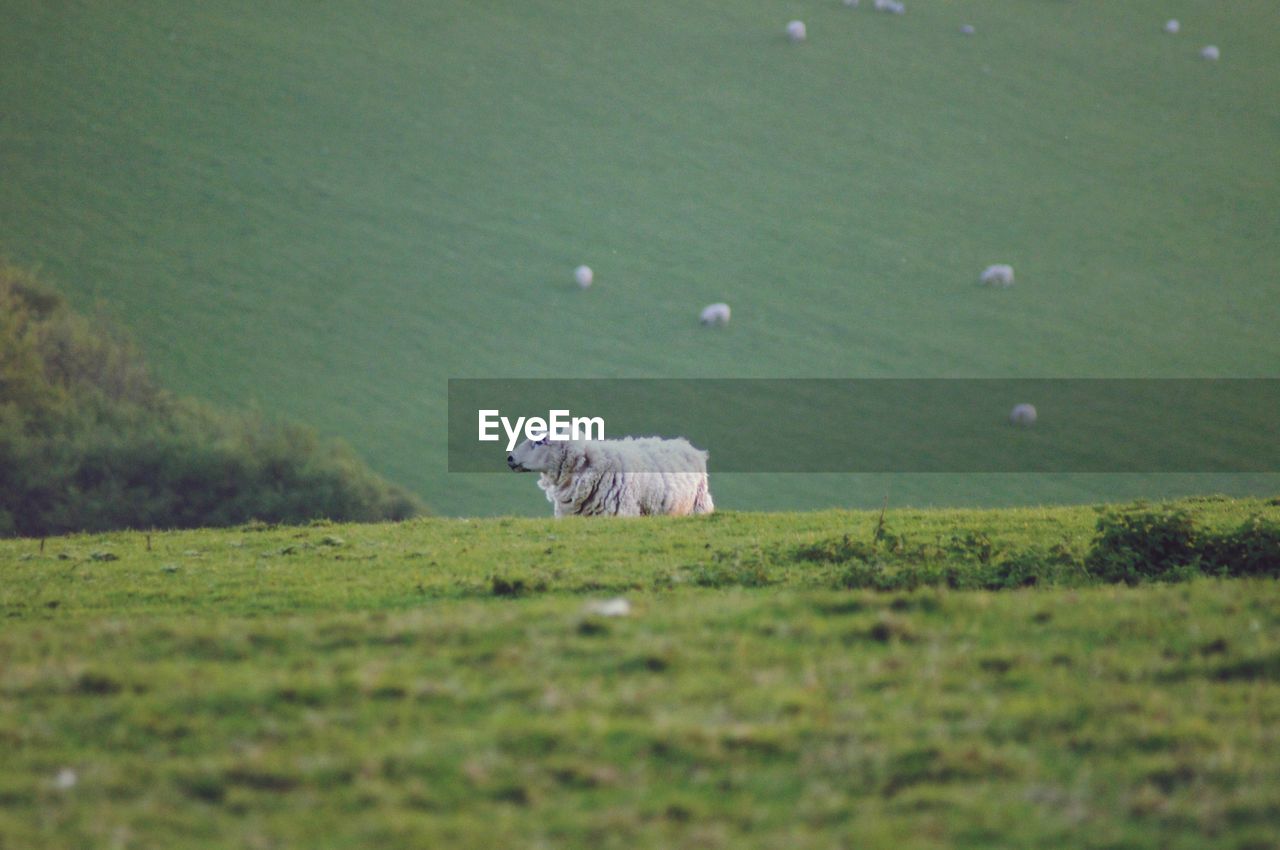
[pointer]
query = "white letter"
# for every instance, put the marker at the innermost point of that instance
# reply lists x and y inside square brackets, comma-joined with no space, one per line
[487,423]
[513,434]
[587,423]
[536,428]
[559,426]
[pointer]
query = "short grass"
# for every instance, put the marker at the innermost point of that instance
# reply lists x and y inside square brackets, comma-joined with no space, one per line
[331,211]
[442,683]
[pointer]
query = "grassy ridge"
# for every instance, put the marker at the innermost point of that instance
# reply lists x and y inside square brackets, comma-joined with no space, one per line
[334,211]
[442,682]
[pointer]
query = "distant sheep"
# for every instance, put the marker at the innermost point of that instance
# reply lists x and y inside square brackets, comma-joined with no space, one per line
[997,275]
[584,276]
[894,6]
[715,314]
[1023,415]
[1172,26]
[1210,52]
[967,29]
[647,476]
[796,31]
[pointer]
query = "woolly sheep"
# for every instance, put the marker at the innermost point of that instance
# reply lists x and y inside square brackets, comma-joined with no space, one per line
[1210,52]
[584,276]
[1172,26]
[796,31]
[895,6]
[1023,415]
[997,275]
[967,29]
[629,477]
[715,314]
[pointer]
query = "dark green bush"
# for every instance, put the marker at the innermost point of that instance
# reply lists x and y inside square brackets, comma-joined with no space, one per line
[89,442]
[1135,546]
[1253,549]
[1166,545]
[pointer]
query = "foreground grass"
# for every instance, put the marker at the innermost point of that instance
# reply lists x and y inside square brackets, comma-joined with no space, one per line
[442,683]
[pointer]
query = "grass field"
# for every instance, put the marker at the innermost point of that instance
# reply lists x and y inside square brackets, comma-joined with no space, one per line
[444,682]
[329,212]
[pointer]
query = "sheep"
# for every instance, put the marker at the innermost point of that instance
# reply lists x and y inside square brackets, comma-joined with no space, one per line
[897,7]
[715,314]
[584,276]
[1210,52]
[643,476]
[796,31]
[967,29]
[1172,26]
[1023,415]
[997,275]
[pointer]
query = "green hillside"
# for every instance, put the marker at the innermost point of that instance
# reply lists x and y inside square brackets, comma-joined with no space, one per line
[448,683]
[331,211]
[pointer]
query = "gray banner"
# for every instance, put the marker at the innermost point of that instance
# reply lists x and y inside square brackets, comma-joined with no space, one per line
[900,425]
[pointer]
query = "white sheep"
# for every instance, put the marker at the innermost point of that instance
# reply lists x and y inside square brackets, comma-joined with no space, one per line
[629,477]
[967,29]
[999,274]
[1023,415]
[715,314]
[1210,52]
[895,6]
[1172,26]
[796,31]
[584,276]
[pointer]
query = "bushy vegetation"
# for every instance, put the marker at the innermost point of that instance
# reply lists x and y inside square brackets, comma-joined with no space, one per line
[1130,545]
[89,441]
[1167,545]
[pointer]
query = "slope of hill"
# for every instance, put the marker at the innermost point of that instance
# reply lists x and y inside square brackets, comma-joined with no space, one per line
[332,211]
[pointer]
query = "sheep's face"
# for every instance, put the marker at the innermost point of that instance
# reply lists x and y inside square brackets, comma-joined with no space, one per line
[534,456]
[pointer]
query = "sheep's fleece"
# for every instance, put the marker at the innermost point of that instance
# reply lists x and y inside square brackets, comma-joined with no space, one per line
[628,477]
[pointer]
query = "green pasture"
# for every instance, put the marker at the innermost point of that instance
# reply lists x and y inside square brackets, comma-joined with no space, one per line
[328,211]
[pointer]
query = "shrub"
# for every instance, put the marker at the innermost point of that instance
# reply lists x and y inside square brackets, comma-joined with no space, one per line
[89,442]
[1134,546]
[1253,549]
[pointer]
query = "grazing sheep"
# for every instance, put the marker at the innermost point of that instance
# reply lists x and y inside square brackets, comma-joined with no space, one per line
[1210,52]
[584,276]
[796,31]
[1023,415]
[895,6]
[997,275]
[967,29]
[715,314]
[629,477]
[1172,26]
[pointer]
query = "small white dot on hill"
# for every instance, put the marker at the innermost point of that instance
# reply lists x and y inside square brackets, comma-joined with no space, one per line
[796,31]
[1023,415]
[584,276]
[1210,52]
[1172,26]
[967,29]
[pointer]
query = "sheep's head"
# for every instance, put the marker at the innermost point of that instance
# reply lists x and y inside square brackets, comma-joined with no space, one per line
[535,455]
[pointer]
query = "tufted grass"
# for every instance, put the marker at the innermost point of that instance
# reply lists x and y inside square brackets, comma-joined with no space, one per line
[441,683]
